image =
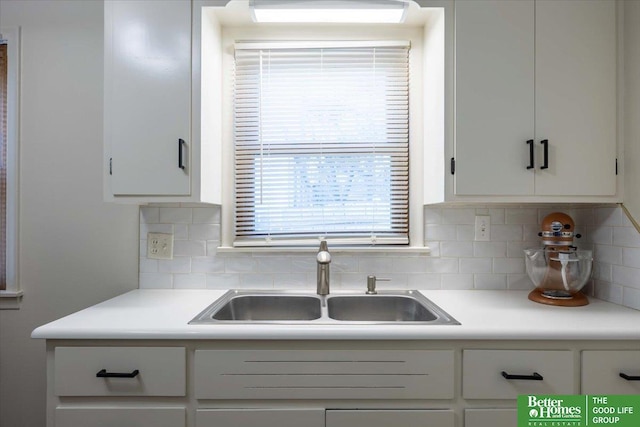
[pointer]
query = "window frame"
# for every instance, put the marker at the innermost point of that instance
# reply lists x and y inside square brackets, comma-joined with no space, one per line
[10,297]
[327,34]
[308,54]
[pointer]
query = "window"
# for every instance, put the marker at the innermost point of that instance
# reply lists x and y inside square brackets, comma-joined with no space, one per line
[321,143]
[8,164]
[3,162]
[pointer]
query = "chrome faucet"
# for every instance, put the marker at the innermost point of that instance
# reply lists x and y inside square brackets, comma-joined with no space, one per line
[323,260]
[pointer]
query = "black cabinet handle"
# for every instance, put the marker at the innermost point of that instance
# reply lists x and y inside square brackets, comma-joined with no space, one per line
[104,374]
[530,143]
[545,144]
[629,377]
[535,377]
[180,144]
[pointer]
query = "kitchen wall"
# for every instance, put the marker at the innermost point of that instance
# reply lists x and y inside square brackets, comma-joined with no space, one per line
[75,250]
[456,261]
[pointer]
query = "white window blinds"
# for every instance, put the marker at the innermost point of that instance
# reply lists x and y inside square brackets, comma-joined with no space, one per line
[321,143]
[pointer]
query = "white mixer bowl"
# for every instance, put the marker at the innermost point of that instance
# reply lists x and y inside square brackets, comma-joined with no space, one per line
[563,271]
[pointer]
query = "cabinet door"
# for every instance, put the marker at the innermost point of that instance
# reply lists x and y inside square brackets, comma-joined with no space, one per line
[483,373]
[576,96]
[490,417]
[313,417]
[601,372]
[148,96]
[494,102]
[121,417]
[386,418]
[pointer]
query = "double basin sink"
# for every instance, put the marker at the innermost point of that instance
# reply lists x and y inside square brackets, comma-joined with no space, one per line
[238,307]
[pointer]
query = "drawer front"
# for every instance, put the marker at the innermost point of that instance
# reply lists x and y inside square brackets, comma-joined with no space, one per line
[120,417]
[313,417]
[161,371]
[490,417]
[386,418]
[482,373]
[324,374]
[601,372]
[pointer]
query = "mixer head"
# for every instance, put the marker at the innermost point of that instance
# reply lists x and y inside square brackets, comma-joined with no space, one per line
[557,230]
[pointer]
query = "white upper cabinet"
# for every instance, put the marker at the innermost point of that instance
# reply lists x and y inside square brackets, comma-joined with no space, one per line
[148,96]
[535,100]
[152,104]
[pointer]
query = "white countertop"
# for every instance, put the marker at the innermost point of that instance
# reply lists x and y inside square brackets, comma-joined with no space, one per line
[164,314]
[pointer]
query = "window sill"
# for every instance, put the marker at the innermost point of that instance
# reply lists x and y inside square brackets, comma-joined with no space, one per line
[10,300]
[335,249]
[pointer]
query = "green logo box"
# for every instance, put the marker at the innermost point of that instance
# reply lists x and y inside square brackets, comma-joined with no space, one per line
[578,410]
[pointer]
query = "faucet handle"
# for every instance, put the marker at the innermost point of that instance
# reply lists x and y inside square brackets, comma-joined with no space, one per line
[371,284]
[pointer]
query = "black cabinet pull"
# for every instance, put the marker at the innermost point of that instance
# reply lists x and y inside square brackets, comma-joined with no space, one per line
[535,377]
[545,144]
[530,143]
[180,144]
[104,374]
[629,377]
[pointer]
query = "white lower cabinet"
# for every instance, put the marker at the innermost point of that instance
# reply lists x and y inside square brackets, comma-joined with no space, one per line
[249,417]
[120,417]
[610,372]
[316,383]
[387,418]
[490,417]
[505,374]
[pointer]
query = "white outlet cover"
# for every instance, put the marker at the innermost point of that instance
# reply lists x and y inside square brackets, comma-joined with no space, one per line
[483,228]
[159,246]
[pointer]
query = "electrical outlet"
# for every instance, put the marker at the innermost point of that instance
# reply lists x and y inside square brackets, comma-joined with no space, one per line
[159,246]
[483,228]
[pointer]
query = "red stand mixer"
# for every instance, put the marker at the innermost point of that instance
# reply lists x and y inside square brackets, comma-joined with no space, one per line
[558,270]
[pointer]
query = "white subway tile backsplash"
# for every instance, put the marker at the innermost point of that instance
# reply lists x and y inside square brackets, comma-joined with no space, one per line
[475,265]
[490,281]
[456,249]
[631,298]
[457,281]
[189,248]
[631,257]
[176,215]
[626,236]
[456,261]
[521,216]
[189,281]
[508,265]
[223,281]
[441,231]
[608,254]
[459,216]
[506,233]
[156,281]
[490,249]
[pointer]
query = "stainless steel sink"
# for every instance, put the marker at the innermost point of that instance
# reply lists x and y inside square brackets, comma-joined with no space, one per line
[238,306]
[407,307]
[381,308]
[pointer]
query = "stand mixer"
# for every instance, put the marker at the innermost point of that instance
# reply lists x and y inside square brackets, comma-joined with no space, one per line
[558,270]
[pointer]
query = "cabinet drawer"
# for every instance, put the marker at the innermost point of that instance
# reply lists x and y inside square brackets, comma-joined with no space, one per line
[324,374]
[490,417]
[483,379]
[601,372]
[161,371]
[313,417]
[121,417]
[386,418]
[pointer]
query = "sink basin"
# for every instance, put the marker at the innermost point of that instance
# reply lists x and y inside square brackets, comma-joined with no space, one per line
[381,308]
[244,306]
[257,307]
